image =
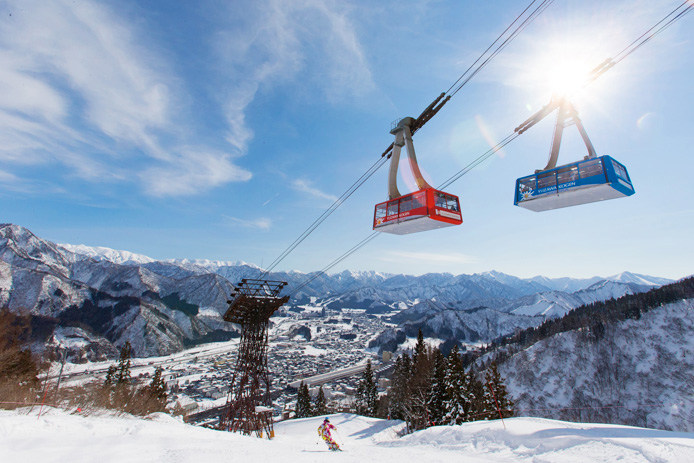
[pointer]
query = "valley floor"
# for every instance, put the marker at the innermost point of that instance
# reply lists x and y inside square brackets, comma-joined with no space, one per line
[58,436]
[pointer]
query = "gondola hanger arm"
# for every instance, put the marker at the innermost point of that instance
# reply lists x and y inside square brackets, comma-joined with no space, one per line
[566,115]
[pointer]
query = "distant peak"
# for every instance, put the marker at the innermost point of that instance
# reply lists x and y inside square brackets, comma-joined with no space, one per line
[647,280]
[107,254]
[207,263]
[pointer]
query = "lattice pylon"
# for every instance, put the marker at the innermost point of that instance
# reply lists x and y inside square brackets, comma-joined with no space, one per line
[249,402]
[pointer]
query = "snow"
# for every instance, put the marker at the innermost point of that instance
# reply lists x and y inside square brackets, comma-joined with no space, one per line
[59,436]
[411,342]
[314,351]
[212,264]
[638,372]
[108,254]
[628,277]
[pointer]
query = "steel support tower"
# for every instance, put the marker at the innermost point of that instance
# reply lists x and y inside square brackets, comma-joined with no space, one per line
[249,405]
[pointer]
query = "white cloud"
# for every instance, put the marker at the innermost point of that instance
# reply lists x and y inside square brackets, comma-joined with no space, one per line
[429,257]
[25,93]
[304,186]
[279,42]
[6,177]
[347,73]
[240,134]
[15,184]
[88,89]
[261,223]
[269,200]
[82,90]
[192,171]
[87,49]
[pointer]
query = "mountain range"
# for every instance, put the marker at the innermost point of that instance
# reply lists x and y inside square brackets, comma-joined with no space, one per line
[103,297]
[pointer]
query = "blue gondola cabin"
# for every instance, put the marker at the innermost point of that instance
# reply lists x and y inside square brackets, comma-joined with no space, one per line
[587,181]
[423,210]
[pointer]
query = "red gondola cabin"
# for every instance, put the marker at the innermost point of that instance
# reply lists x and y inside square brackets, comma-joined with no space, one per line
[422,210]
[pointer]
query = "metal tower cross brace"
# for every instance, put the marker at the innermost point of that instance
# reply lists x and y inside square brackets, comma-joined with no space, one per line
[249,403]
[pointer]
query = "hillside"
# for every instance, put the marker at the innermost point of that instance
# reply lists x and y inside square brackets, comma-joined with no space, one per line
[78,439]
[635,371]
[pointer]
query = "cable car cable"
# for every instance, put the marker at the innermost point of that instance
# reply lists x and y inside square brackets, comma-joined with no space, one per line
[679,16]
[597,72]
[338,202]
[373,235]
[489,48]
[635,45]
[602,68]
[423,118]
[354,249]
[541,8]
[444,97]
[478,161]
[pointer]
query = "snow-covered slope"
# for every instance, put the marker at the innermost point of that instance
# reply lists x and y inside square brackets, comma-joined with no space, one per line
[59,437]
[552,304]
[638,372]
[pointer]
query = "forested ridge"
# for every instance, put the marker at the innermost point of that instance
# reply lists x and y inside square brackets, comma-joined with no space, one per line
[591,318]
[622,361]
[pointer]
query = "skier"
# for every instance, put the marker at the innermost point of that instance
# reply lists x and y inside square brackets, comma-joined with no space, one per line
[324,432]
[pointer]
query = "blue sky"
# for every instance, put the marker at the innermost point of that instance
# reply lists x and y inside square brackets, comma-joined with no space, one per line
[221,130]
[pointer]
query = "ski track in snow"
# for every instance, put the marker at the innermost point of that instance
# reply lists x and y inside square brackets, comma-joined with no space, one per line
[58,436]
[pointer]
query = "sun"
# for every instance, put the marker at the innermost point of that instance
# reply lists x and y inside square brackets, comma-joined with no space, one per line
[561,66]
[567,75]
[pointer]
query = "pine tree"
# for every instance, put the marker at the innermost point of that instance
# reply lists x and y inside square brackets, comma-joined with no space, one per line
[437,392]
[367,393]
[117,383]
[496,398]
[454,406]
[399,394]
[17,365]
[418,357]
[122,375]
[110,376]
[19,381]
[383,410]
[155,393]
[473,391]
[421,385]
[319,406]
[303,402]
[476,390]
[119,375]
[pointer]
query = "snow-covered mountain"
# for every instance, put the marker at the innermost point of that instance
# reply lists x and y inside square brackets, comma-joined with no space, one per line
[163,306]
[107,254]
[158,307]
[482,319]
[570,285]
[638,372]
[498,283]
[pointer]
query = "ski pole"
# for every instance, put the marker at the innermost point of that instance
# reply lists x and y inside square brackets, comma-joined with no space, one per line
[339,437]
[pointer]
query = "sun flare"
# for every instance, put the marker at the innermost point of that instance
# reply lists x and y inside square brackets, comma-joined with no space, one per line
[562,67]
[566,76]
